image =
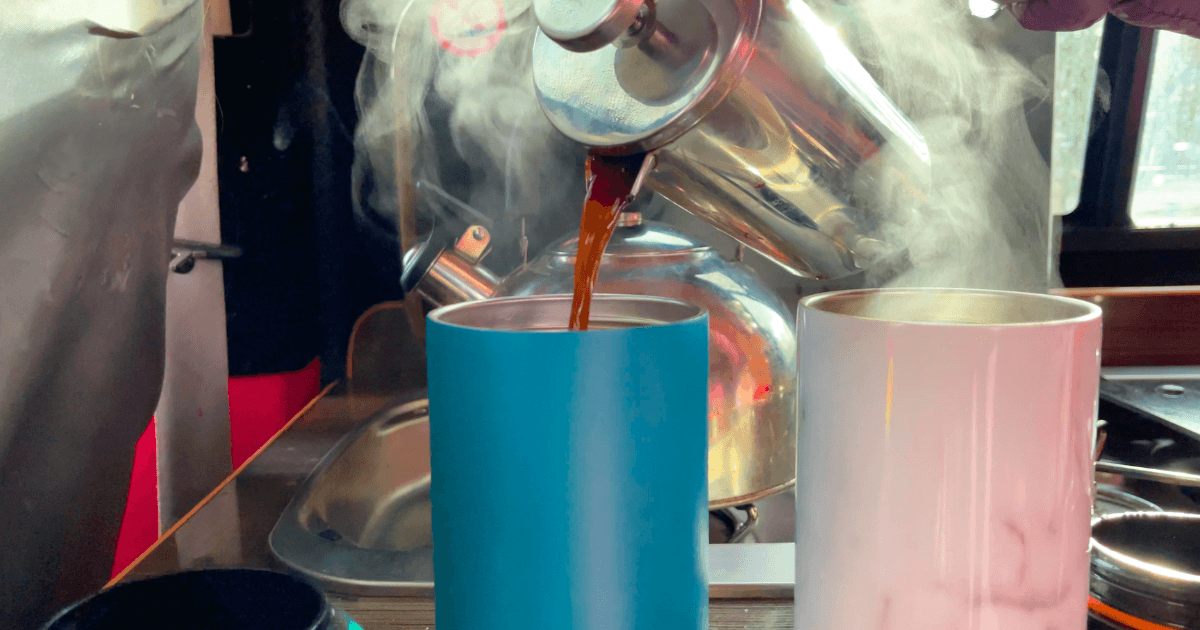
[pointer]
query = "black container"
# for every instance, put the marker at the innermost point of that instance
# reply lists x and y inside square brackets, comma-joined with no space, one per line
[1145,571]
[209,599]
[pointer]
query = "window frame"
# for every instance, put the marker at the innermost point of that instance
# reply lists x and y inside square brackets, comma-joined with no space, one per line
[1100,246]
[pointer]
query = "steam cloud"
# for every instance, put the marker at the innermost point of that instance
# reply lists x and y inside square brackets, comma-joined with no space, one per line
[476,122]
[986,222]
[454,76]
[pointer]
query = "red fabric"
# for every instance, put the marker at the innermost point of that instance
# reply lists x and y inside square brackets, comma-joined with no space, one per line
[139,527]
[259,406]
[1180,16]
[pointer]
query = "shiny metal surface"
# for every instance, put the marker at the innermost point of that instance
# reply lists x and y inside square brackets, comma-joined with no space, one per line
[586,25]
[445,271]
[771,131]
[752,365]
[1172,402]
[1147,564]
[623,100]
[734,529]
[1174,478]
[451,280]
[629,219]
[1143,459]
[1112,500]
[185,253]
[361,523]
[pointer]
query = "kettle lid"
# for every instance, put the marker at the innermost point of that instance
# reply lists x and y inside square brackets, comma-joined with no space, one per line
[625,76]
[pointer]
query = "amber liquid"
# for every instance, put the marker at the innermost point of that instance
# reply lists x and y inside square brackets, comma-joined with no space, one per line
[609,184]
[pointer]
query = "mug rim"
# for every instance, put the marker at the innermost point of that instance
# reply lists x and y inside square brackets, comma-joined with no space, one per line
[1063,310]
[610,312]
[123,589]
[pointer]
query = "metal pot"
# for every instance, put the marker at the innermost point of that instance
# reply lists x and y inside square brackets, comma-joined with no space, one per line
[759,119]
[752,344]
[1146,570]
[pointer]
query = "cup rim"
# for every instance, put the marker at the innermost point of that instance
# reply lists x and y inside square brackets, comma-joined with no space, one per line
[134,587]
[549,313]
[1073,311]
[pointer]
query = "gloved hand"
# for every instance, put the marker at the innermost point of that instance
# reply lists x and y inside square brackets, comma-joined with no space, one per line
[1180,16]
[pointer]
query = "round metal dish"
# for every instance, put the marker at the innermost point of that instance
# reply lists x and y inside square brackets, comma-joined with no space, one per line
[1111,499]
[1146,569]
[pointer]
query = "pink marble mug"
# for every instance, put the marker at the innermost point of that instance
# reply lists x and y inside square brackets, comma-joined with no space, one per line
[944,474]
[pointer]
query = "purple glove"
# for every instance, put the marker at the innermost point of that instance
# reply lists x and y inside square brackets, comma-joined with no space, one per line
[1180,16]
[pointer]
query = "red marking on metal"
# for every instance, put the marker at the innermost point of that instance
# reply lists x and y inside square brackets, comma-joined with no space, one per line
[467,28]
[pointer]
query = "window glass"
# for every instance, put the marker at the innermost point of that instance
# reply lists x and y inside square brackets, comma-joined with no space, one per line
[1076,58]
[1166,187]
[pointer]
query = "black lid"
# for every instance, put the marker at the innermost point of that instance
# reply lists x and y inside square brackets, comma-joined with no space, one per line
[209,599]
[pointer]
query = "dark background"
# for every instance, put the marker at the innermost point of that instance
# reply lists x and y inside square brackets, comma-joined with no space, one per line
[285,146]
[1100,248]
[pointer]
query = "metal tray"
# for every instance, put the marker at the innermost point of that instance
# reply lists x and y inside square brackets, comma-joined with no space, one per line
[360,524]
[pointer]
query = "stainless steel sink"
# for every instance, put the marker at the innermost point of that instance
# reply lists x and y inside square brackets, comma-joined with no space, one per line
[360,524]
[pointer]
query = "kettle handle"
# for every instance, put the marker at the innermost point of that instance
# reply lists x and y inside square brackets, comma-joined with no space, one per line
[450,217]
[648,164]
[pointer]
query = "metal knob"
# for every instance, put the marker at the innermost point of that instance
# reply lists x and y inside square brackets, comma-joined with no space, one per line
[588,25]
[184,254]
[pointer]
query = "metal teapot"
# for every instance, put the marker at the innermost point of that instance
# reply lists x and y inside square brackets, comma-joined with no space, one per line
[752,342]
[757,117]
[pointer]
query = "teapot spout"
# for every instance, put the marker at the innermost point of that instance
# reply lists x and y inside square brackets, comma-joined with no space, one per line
[452,274]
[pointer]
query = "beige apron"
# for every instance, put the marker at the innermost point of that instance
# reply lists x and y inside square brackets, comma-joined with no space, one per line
[98,144]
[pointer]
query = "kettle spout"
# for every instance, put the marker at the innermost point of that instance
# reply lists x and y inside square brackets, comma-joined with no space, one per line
[451,274]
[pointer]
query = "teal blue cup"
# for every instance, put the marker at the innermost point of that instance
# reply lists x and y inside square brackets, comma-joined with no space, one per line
[569,469]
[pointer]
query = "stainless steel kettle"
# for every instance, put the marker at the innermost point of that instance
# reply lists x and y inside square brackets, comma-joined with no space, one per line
[758,118]
[752,343]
